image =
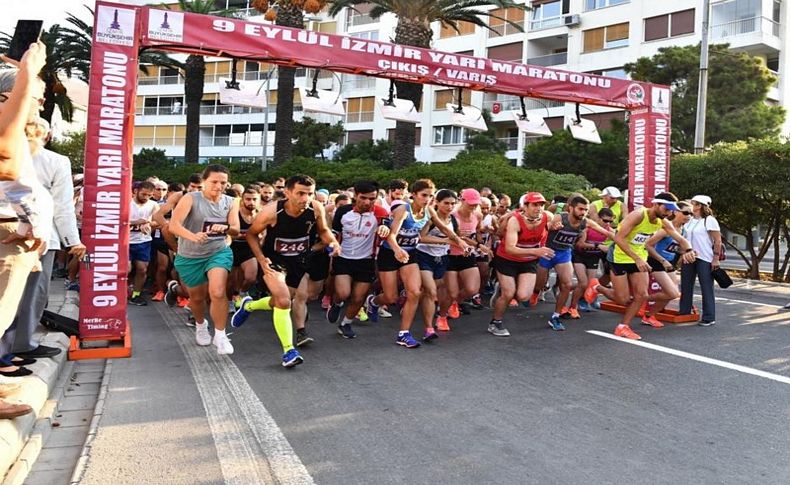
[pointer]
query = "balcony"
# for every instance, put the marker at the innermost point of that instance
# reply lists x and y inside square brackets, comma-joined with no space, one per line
[511,142]
[549,60]
[512,103]
[752,25]
[162,80]
[159,142]
[504,29]
[160,111]
[546,23]
[227,109]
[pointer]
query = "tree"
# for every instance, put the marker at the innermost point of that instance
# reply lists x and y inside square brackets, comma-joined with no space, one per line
[737,87]
[748,185]
[314,137]
[380,151]
[485,141]
[414,29]
[603,165]
[288,13]
[72,146]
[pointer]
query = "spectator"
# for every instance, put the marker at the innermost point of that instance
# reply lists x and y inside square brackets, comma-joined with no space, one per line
[704,234]
[610,198]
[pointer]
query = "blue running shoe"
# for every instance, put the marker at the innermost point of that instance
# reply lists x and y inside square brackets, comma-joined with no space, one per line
[407,341]
[596,305]
[429,336]
[74,286]
[372,309]
[241,315]
[346,331]
[292,358]
[556,324]
[584,306]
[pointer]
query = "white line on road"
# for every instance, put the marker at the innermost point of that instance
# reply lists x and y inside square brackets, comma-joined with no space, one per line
[749,302]
[250,446]
[698,358]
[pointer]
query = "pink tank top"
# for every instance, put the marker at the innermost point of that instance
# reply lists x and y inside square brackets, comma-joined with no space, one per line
[465,229]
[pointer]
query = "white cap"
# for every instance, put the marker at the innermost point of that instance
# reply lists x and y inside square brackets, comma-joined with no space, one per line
[612,192]
[702,199]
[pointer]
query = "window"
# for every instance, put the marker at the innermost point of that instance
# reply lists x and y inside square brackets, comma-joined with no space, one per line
[669,25]
[596,4]
[615,72]
[359,15]
[735,18]
[444,96]
[507,52]
[464,28]
[358,136]
[417,135]
[367,35]
[449,135]
[606,37]
[546,15]
[501,27]
[360,110]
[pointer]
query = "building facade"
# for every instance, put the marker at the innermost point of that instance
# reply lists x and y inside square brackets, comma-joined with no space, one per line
[594,36]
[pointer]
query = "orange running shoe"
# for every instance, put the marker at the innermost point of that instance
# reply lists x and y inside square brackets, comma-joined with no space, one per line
[453,311]
[591,294]
[652,321]
[626,332]
[182,302]
[533,300]
[513,303]
[159,296]
[441,324]
[643,309]
[574,312]
[565,312]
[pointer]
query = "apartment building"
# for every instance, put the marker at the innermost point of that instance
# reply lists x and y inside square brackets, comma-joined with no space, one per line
[595,36]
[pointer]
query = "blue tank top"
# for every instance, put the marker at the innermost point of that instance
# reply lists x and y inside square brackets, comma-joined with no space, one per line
[668,248]
[409,234]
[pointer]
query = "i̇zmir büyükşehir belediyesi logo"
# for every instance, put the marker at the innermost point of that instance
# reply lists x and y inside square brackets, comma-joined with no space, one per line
[166,25]
[635,94]
[115,25]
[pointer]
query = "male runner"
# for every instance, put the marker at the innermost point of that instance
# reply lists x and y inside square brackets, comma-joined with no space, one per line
[610,198]
[267,194]
[140,227]
[245,268]
[294,262]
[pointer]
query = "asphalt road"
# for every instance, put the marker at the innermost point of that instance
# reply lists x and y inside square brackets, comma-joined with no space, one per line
[538,407]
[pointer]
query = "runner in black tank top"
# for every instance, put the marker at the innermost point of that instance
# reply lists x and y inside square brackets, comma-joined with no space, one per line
[245,268]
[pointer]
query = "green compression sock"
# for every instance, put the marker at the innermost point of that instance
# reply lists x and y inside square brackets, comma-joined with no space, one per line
[284,327]
[262,304]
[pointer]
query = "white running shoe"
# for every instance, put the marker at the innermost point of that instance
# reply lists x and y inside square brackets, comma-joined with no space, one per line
[202,335]
[222,343]
[383,313]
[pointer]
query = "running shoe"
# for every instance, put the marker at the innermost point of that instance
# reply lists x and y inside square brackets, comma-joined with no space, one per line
[643,309]
[574,313]
[429,335]
[584,306]
[74,286]
[533,300]
[181,301]
[66,283]
[159,296]
[453,311]
[556,324]
[652,321]
[513,303]
[231,307]
[292,358]
[497,328]
[565,312]
[171,297]
[626,332]
[372,309]
[476,303]
[596,305]
[442,324]
[222,343]
[138,300]
[190,321]
[346,331]
[241,315]
[384,313]
[326,302]
[590,294]
[465,307]
[706,323]
[302,337]
[333,312]
[362,315]
[406,340]
[202,335]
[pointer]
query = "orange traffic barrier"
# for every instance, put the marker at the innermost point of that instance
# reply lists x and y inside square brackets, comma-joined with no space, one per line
[102,348]
[669,316]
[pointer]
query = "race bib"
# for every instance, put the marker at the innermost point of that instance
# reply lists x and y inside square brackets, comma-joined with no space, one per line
[407,239]
[567,239]
[291,246]
[640,238]
[215,228]
[673,247]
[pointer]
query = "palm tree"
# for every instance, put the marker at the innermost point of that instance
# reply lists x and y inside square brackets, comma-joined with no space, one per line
[414,29]
[288,13]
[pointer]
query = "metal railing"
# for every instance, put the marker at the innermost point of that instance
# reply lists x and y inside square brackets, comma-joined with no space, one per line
[355,19]
[351,81]
[511,142]
[160,111]
[506,29]
[159,141]
[512,103]
[744,26]
[226,109]
[161,80]
[549,60]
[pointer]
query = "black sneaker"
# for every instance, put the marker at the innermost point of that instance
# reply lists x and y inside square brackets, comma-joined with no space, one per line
[333,312]
[346,331]
[138,300]
[706,323]
[476,303]
[465,308]
[302,338]
[170,295]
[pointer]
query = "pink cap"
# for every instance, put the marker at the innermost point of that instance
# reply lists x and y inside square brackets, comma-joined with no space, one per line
[470,196]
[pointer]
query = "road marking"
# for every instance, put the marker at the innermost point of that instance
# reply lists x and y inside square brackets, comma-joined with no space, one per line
[698,358]
[757,303]
[250,446]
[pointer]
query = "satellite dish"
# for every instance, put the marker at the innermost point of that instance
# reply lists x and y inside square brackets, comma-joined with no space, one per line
[399,110]
[535,125]
[247,94]
[584,130]
[468,117]
[322,101]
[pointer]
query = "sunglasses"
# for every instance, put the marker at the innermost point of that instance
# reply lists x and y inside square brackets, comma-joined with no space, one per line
[607,221]
[279,187]
[686,213]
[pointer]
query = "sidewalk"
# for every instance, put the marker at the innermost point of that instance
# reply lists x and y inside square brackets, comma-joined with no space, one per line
[22,438]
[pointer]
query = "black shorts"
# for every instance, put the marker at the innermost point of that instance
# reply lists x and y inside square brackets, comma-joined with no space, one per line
[241,252]
[460,263]
[160,246]
[360,270]
[621,269]
[590,260]
[655,265]
[385,261]
[514,268]
[315,264]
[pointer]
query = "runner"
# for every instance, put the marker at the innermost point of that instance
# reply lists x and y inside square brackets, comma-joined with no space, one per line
[267,194]
[630,271]
[609,198]
[397,258]
[294,262]
[488,228]
[358,224]
[203,221]
[159,250]
[515,260]
[396,193]
[245,268]
[588,254]
[142,209]
[571,224]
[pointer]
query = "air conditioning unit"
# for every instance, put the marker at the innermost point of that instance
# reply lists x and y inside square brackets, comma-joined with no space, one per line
[571,20]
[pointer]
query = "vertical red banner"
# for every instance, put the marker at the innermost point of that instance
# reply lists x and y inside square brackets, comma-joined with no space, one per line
[108,162]
[649,150]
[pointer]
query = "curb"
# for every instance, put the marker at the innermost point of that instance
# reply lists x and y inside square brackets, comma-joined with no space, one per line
[98,412]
